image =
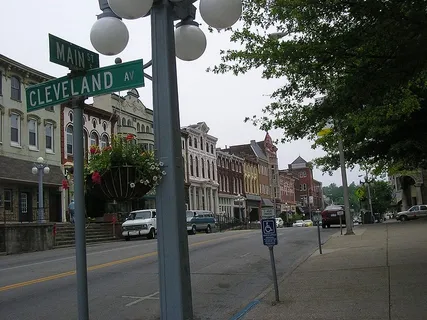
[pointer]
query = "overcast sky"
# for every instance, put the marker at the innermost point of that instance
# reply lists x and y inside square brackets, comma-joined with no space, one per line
[222,101]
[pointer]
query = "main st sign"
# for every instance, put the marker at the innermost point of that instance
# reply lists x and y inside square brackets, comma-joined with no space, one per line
[94,82]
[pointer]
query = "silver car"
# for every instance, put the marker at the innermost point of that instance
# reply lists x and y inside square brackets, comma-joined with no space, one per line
[413,212]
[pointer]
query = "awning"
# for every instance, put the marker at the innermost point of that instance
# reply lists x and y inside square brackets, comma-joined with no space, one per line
[17,170]
[267,203]
[253,197]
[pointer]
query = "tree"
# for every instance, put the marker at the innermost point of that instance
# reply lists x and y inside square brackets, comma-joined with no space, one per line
[368,58]
[336,194]
[381,194]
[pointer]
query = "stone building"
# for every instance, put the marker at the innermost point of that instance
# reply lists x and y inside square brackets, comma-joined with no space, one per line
[24,137]
[409,189]
[287,191]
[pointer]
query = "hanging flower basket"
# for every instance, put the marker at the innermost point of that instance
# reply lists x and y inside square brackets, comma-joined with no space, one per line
[122,171]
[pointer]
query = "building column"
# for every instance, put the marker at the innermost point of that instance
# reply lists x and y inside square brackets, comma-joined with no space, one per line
[212,205]
[419,193]
[205,197]
[216,205]
[194,204]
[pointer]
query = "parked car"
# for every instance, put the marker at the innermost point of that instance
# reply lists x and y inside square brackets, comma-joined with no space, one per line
[200,220]
[140,223]
[308,223]
[330,215]
[279,223]
[413,212]
[298,223]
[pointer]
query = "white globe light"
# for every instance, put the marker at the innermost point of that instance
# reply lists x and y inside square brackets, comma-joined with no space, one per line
[130,9]
[40,160]
[220,14]
[34,170]
[46,170]
[190,42]
[109,36]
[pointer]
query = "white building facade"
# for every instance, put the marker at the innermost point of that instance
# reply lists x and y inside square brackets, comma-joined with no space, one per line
[203,189]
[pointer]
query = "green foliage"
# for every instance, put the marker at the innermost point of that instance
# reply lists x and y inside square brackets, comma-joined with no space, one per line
[336,194]
[367,57]
[381,194]
[125,152]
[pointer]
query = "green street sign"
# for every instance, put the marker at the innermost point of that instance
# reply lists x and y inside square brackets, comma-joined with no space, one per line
[70,55]
[95,82]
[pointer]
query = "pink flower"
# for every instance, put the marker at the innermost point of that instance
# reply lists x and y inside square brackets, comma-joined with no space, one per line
[96,177]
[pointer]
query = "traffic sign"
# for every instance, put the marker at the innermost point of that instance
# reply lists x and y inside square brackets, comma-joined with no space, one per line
[69,55]
[269,232]
[94,82]
[267,212]
[340,213]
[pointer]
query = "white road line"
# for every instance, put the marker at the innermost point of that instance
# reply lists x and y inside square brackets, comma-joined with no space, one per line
[139,299]
[244,255]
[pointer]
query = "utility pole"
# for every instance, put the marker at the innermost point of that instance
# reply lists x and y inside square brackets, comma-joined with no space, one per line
[348,222]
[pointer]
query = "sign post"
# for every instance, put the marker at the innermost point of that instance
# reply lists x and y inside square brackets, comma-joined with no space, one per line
[269,238]
[317,218]
[340,214]
[85,80]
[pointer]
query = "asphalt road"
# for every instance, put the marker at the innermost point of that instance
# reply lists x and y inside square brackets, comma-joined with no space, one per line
[228,271]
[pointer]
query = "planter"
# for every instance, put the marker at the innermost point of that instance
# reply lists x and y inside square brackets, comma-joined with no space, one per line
[116,184]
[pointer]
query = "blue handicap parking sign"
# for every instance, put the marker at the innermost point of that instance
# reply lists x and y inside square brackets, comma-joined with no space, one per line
[269,232]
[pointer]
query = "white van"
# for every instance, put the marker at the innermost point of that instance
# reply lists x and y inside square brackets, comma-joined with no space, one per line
[140,223]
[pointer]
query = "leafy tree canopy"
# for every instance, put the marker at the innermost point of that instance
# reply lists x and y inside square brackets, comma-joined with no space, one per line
[336,195]
[367,58]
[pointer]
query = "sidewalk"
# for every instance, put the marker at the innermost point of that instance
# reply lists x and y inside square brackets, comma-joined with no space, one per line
[378,274]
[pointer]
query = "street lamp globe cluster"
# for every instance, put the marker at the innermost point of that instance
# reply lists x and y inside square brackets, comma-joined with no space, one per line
[110,36]
[41,168]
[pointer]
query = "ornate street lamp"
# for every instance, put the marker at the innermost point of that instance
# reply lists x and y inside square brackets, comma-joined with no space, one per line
[239,198]
[110,36]
[41,168]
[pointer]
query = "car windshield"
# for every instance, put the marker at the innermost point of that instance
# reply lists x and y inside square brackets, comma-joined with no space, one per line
[299,221]
[190,214]
[307,220]
[141,215]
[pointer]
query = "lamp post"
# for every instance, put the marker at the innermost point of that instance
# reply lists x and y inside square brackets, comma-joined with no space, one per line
[239,198]
[41,168]
[110,36]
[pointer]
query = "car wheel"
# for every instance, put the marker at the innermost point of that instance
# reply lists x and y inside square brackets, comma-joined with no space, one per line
[193,230]
[403,218]
[208,229]
[127,238]
[150,235]
[329,225]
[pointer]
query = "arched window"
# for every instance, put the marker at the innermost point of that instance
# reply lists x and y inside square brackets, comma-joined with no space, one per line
[142,128]
[213,171]
[70,140]
[123,122]
[138,127]
[15,85]
[197,167]
[209,169]
[129,123]
[207,147]
[147,129]
[190,143]
[104,141]
[94,139]
[191,166]
[195,143]
[85,144]
[203,168]
[201,143]
[212,151]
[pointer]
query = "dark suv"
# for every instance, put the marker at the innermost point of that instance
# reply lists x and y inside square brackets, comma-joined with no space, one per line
[330,215]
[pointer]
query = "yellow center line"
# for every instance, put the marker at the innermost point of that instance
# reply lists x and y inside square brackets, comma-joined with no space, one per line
[101,266]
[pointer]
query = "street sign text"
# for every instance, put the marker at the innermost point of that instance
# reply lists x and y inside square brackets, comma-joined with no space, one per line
[269,232]
[95,82]
[267,212]
[70,55]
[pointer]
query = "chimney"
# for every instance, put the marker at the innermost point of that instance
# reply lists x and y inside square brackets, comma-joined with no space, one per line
[226,147]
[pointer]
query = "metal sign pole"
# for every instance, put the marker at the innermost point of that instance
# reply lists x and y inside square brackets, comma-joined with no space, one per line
[273,269]
[341,224]
[79,200]
[318,237]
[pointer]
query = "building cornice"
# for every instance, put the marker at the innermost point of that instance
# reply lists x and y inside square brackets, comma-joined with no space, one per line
[12,65]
